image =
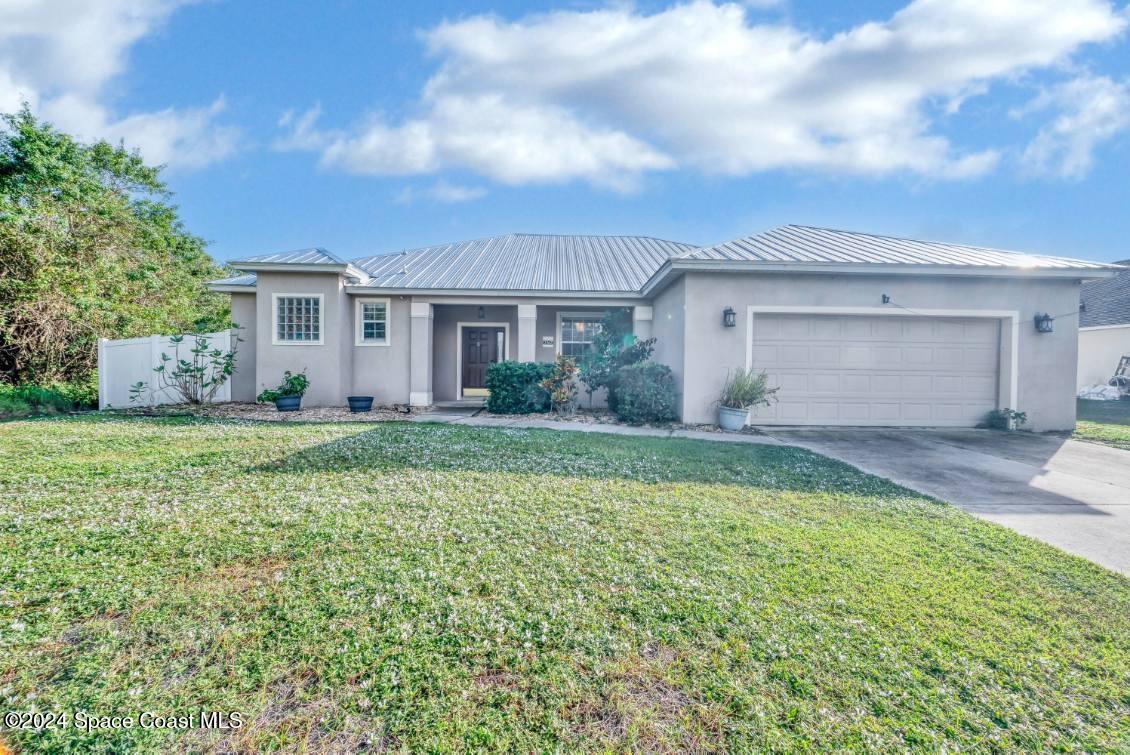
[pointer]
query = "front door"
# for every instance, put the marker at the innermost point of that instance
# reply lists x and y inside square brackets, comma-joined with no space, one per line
[482,346]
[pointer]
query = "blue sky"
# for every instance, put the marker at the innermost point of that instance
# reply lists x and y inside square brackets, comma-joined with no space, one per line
[367,127]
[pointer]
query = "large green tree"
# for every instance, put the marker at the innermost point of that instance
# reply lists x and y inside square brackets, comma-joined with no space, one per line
[90,247]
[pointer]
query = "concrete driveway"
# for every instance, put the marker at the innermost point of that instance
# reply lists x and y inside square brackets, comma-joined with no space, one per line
[1071,494]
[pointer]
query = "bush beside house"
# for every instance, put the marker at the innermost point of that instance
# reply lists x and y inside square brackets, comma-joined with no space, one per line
[645,392]
[515,387]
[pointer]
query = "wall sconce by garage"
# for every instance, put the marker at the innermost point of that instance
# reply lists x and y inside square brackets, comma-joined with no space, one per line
[886,299]
[729,317]
[482,313]
[1044,323]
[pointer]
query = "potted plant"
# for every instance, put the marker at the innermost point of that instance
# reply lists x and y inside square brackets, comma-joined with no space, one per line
[288,396]
[744,389]
[359,403]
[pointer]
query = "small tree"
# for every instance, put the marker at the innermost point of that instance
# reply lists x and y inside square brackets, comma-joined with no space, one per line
[197,376]
[561,386]
[613,348]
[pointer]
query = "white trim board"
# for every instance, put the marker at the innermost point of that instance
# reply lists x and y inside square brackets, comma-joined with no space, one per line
[459,348]
[1011,316]
[275,318]
[1105,327]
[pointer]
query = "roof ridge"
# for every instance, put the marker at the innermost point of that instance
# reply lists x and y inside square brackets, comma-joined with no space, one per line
[513,234]
[913,240]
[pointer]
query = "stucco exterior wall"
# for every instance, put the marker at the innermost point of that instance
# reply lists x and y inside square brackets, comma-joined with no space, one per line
[243,378]
[383,371]
[1046,361]
[329,366]
[669,328]
[1099,352]
[445,341]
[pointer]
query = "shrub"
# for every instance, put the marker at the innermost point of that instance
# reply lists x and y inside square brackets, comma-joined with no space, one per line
[292,385]
[195,376]
[745,388]
[645,392]
[1005,419]
[613,348]
[515,387]
[25,400]
[561,386]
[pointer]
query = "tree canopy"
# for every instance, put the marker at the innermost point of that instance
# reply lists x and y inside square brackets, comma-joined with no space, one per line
[90,247]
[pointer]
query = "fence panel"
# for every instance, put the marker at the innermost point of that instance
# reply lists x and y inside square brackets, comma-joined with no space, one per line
[124,362]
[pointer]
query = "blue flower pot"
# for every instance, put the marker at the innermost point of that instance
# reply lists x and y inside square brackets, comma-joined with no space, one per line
[360,403]
[288,403]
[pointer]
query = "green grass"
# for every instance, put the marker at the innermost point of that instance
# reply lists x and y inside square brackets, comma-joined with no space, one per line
[443,588]
[1106,422]
[26,400]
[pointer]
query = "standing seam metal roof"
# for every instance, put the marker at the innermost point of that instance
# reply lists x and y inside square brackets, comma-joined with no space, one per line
[795,244]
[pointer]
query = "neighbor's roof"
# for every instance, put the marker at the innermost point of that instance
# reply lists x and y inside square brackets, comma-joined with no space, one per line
[313,256]
[798,244]
[1106,301]
[526,262]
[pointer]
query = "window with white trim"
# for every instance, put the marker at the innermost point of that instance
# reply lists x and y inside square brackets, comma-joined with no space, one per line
[372,321]
[577,332]
[298,319]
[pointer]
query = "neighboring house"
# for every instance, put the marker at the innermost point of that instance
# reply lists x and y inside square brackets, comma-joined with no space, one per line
[1104,327]
[856,329]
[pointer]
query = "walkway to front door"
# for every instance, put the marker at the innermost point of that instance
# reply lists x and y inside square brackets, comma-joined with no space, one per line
[482,346]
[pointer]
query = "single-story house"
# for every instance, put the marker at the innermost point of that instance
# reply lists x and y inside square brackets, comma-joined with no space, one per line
[1104,326]
[856,329]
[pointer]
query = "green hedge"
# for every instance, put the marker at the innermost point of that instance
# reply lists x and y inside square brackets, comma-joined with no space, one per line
[514,387]
[26,399]
[645,392]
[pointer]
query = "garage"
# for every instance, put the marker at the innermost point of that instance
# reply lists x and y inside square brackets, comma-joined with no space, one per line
[841,369]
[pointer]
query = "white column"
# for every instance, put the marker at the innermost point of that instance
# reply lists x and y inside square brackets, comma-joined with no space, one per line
[641,322]
[420,370]
[527,332]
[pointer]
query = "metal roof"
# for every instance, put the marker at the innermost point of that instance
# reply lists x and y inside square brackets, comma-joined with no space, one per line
[313,256]
[525,262]
[1106,301]
[797,244]
[239,280]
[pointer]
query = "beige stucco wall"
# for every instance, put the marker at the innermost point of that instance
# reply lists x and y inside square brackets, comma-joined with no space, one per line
[1100,350]
[669,329]
[382,371]
[329,366]
[1046,374]
[243,378]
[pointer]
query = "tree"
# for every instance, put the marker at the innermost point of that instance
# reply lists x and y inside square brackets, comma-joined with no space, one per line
[90,247]
[613,347]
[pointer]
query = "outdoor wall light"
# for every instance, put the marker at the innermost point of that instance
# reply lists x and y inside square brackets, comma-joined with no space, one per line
[729,317]
[482,313]
[1044,323]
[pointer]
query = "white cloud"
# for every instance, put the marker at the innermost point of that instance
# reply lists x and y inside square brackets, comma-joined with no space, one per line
[607,96]
[441,191]
[1092,110]
[60,55]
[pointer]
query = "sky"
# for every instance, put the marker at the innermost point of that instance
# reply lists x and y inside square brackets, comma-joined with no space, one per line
[367,127]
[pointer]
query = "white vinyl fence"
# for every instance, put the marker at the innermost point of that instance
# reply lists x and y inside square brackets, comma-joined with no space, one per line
[125,362]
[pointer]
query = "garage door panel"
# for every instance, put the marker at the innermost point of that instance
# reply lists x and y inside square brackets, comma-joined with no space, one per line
[877,370]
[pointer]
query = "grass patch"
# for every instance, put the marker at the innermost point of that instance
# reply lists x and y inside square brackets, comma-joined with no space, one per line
[1106,422]
[434,587]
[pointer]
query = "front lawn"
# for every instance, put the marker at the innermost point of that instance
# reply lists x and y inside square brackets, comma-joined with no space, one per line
[1106,422]
[433,587]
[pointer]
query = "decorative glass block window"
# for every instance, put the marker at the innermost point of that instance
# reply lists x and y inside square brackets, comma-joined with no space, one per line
[372,321]
[577,332]
[298,319]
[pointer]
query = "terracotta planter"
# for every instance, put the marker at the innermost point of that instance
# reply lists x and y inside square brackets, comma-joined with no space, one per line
[732,420]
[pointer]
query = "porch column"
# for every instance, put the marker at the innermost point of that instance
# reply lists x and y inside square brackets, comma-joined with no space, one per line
[641,322]
[527,332]
[420,370]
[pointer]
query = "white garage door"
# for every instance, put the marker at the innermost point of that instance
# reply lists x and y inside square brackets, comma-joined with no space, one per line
[861,370]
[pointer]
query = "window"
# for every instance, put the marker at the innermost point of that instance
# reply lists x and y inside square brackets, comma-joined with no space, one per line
[371,326]
[298,318]
[577,332]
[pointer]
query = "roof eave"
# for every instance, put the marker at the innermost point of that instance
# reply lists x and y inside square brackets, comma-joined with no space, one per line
[291,267]
[227,288]
[362,290]
[676,265]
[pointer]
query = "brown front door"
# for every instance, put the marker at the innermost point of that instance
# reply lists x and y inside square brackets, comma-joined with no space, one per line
[481,347]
